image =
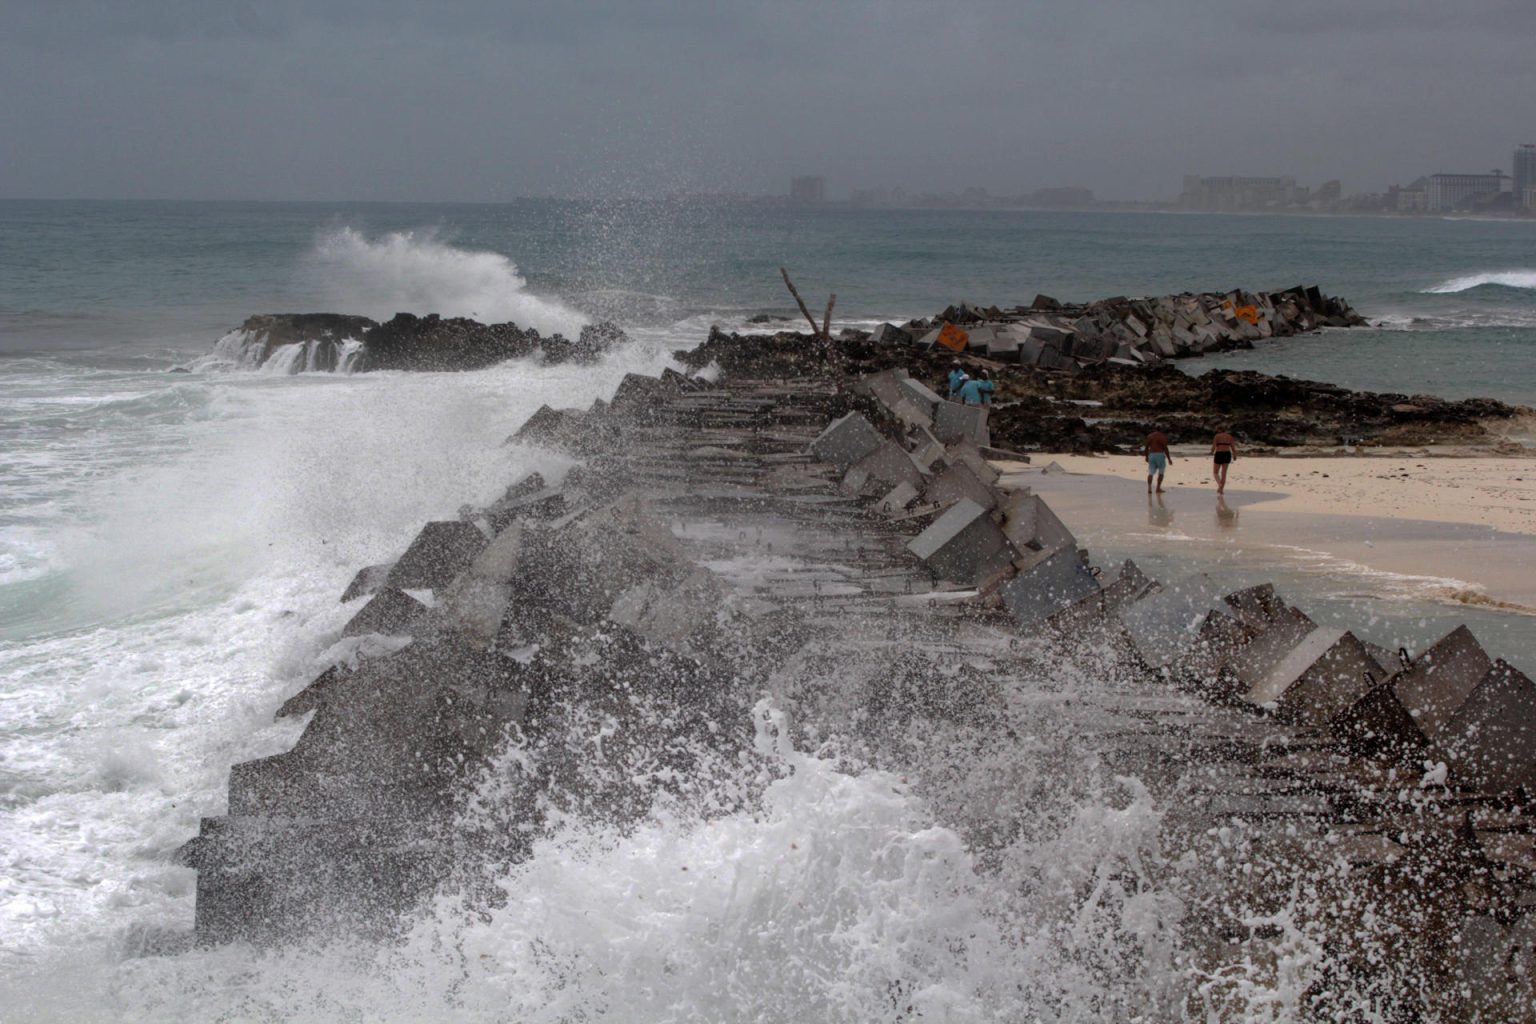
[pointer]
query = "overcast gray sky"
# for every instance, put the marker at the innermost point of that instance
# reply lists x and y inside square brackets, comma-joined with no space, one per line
[393,99]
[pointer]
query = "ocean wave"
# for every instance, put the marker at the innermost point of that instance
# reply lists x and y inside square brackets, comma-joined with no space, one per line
[416,272]
[1525,279]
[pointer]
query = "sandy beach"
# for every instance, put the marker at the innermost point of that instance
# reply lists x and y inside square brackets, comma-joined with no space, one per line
[1497,492]
[1454,533]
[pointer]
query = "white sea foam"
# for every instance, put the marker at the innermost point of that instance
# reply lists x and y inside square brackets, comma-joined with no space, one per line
[1507,278]
[417,272]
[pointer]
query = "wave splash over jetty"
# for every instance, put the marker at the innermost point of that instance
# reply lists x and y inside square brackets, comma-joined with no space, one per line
[418,272]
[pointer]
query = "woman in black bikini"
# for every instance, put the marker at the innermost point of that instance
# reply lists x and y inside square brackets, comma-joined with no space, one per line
[1223,454]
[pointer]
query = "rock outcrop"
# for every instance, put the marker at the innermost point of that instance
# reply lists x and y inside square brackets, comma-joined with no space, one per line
[324,342]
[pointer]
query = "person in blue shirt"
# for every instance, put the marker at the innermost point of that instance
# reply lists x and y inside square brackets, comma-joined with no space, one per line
[977,391]
[957,379]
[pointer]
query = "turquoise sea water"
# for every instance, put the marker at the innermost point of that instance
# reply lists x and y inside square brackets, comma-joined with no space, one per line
[171,545]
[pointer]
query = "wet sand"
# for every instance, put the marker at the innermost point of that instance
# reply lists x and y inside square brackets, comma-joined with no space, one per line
[1359,539]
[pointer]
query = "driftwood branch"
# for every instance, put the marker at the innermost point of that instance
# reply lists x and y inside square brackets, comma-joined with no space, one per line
[801,303]
[826,319]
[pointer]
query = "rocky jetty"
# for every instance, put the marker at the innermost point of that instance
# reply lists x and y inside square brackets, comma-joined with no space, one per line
[849,545]
[1087,401]
[333,342]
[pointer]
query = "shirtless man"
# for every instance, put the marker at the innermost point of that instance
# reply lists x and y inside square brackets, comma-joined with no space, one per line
[1223,454]
[1155,451]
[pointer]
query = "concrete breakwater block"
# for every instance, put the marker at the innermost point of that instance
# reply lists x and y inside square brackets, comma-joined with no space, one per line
[1058,580]
[889,464]
[924,396]
[1405,714]
[367,581]
[440,552]
[1095,608]
[670,615]
[1165,622]
[1319,678]
[955,422]
[889,388]
[956,483]
[967,453]
[1028,522]
[846,440]
[541,505]
[1251,665]
[963,544]
[1489,744]
[391,611]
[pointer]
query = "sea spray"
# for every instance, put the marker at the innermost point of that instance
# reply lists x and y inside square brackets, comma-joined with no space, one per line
[418,272]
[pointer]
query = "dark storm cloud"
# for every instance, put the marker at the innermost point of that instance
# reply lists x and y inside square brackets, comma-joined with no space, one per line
[393,99]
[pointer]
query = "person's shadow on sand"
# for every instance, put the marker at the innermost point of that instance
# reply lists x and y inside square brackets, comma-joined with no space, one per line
[1158,514]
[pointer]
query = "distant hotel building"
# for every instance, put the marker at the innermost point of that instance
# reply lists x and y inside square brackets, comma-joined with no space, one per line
[1454,191]
[1233,193]
[1525,175]
[808,190]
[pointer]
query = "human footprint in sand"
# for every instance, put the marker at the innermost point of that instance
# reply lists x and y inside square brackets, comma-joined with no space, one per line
[1223,454]
[1155,451]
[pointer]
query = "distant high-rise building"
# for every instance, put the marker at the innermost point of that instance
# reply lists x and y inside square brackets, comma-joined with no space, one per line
[1451,191]
[1524,172]
[808,190]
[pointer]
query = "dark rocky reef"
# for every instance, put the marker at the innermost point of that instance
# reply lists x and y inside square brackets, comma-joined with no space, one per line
[325,342]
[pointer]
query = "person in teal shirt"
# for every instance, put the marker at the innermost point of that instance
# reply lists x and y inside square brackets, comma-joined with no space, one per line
[957,379]
[977,391]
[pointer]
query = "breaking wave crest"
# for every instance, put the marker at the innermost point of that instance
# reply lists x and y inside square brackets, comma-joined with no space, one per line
[1506,279]
[416,272]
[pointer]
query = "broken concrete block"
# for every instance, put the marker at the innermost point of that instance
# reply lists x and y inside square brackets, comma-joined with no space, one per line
[963,544]
[1162,624]
[1319,678]
[955,422]
[1052,584]
[846,440]
[391,611]
[957,482]
[1489,744]
[440,552]
[367,581]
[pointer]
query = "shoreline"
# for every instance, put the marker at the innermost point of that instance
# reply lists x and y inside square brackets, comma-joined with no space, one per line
[1466,521]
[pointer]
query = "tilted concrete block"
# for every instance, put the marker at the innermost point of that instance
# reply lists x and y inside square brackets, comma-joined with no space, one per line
[1253,664]
[1029,522]
[922,395]
[926,450]
[968,454]
[1405,715]
[898,499]
[440,552]
[963,544]
[541,505]
[955,422]
[1319,678]
[1052,584]
[390,611]
[890,464]
[890,334]
[1257,607]
[367,581]
[887,388]
[958,482]
[846,440]
[1164,623]
[1489,744]
[669,614]
[1131,585]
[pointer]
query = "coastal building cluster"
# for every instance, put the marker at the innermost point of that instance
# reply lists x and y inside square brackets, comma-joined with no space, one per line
[1490,192]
